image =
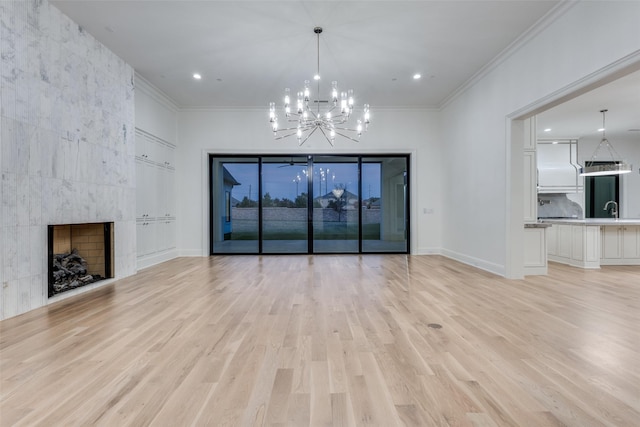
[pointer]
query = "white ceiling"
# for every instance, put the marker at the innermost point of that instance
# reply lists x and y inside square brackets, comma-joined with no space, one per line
[581,117]
[249,51]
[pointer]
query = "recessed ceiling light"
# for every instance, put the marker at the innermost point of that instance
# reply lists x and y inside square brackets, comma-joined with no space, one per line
[197,76]
[316,77]
[416,76]
[601,130]
[547,130]
[554,142]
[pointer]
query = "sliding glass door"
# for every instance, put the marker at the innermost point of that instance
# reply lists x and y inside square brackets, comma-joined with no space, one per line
[235,214]
[336,221]
[385,214]
[309,204]
[284,205]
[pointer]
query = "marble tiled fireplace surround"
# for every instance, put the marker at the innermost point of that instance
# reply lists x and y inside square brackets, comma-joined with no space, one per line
[92,241]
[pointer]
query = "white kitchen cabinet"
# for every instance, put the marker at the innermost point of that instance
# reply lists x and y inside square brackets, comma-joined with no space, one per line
[552,240]
[155,199]
[620,245]
[166,230]
[593,242]
[530,171]
[146,237]
[530,192]
[631,243]
[564,242]
[535,250]
[146,201]
[576,245]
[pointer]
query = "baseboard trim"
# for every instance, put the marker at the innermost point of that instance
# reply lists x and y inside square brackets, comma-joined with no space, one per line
[192,253]
[428,251]
[151,260]
[475,262]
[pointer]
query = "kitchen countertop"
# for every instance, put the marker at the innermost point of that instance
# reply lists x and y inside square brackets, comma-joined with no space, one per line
[592,221]
[537,225]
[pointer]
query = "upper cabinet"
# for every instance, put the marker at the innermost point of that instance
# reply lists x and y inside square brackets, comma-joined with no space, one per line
[530,195]
[558,169]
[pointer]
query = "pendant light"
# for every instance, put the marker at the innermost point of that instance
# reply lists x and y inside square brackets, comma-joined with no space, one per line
[612,167]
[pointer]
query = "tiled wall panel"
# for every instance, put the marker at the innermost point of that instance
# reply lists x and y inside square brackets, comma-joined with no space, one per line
[67,145]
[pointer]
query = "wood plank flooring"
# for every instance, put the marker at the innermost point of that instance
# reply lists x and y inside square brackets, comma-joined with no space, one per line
[330,341]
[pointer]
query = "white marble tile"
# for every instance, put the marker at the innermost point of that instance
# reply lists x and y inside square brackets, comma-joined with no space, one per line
[7,147]
[57,159]
[9,200]
[18,160]
[23,211]
[70,155]
[84,170]
[24,295]
[8,100]
[23,252]
[35,153]
[2,250]
[38,249]
[10,300]
[10,252]
[65,99]
[39,290]
[35,200]
[92,202]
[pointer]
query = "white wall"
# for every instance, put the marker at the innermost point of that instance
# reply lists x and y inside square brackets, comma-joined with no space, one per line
[67,146]
[585,39]
[247,132]
[629,150]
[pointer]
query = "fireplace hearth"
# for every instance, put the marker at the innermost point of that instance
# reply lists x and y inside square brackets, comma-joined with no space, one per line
[79,255]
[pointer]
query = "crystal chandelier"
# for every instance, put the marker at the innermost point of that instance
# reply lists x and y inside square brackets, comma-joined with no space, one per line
[612,167]
[308,118]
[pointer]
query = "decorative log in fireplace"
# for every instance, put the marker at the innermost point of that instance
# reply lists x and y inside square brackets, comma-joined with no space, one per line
[70,272]
[79,254]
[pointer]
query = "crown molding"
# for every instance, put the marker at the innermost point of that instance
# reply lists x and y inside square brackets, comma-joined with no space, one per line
[150,89]
[265,110]
[550,17]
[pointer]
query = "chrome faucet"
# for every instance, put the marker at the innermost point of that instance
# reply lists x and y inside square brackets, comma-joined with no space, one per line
[614,210]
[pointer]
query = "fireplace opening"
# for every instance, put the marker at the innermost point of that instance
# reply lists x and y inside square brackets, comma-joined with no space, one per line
[79,255]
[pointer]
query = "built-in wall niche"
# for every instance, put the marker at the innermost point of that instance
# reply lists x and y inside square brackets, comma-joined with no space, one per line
[79,255]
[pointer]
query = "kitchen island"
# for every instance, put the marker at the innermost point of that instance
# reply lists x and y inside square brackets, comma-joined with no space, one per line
[592,242]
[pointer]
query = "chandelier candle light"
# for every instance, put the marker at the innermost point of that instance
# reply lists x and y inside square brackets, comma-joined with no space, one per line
[334,121]
[612,167]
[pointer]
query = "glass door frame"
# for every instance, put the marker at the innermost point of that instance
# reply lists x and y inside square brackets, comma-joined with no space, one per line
[310,199]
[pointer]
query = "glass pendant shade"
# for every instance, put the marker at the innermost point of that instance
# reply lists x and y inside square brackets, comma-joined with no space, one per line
[609,166]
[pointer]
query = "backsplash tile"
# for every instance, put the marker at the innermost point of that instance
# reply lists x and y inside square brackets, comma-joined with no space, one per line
[558,205]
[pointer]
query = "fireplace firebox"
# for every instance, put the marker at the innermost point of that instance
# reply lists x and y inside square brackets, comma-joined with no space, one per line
[79,255]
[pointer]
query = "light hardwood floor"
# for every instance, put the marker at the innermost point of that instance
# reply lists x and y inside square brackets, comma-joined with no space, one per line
[330,340]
